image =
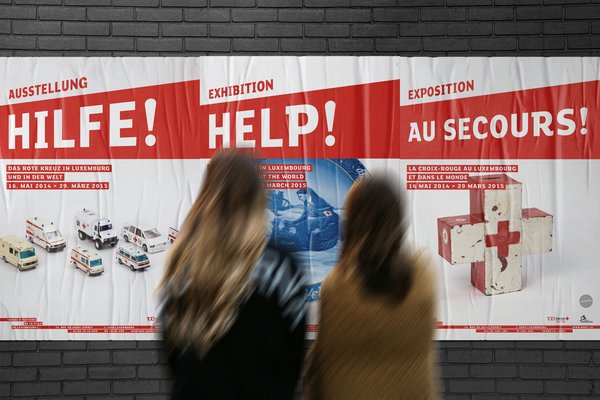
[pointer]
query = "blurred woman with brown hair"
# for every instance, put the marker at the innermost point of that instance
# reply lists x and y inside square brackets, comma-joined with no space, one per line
[377,307]
[233,309]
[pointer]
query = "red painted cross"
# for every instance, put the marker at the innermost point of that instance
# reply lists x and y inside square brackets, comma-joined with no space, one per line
[502,239]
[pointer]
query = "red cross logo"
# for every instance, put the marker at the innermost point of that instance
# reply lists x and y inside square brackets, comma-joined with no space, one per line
[502,239]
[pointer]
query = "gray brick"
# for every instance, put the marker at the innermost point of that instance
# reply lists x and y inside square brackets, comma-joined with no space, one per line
[263,45]
[62,373]
[152,397]
[61,13]
[516,2]
[396,15]
[584,12]
[454,371]
[351,45]
[458,344]
[232,3]
[36,359]
[85,29]
[582,42]
[326,3]
[4,390]
[301,15]
[582,344]
[135,387]
[17,12]
[469,29]
[17,346]
[186,29]
[327,30]
[280,3]
[36,27]
[111,44]
[570,388]
[159,15]
[111,345]
[207,15]
[254,15]
[36,2]
[566,357]
[379,30]
[87,3]
[110,14]
[154,372]
[65,345]
[111,372]
[541,372]
[347,15]
[304,45]
[396,45]
[5,26]
[208,45]
[279,30]
[517,28]
[494,397]
[471,386]
[87,387]
[542,344]
[493,371]
[490,14]
[184,3]
[540,12]
[493,44]
[420,3]
[563,2]
[95,357]
[231,30]
[136,357]
[445,44]
[520,386]
[162,44]
[421,29]
[5,358]
[443,14]
[373,3]
[135,3]
[587,372]
[469,3]
[134,29]
[17,374]
[597,357]
[519,356]
[166,386]
[469,356]
[36,389]
[542,43]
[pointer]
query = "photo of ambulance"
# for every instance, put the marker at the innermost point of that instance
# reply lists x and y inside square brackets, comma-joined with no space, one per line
[146,237]
[100,230]
[18,252]
[45,234]
[88,262]
[131,256]
[173,233]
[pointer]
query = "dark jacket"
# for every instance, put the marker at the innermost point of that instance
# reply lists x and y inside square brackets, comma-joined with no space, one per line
[262,354]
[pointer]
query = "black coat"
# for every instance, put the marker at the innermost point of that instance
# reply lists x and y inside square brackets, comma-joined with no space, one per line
[261,356]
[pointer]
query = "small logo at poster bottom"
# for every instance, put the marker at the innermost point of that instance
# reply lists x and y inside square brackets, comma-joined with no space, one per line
[583,320]
[586,301]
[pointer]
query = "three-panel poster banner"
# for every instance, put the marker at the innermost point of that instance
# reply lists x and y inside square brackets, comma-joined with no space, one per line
[101,159]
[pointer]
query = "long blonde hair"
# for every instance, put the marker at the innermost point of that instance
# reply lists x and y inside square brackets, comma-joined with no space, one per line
[208,269]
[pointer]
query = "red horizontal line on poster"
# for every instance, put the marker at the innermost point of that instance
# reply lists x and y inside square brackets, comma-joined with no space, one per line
[360,121]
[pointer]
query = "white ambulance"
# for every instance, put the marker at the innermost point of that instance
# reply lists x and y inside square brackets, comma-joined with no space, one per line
[146,237]
[100,230]
[44,234]
[18,252]
[89,262]
[173,233]
[132,257]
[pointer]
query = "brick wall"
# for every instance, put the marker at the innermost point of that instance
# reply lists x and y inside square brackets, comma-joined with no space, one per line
[129,370]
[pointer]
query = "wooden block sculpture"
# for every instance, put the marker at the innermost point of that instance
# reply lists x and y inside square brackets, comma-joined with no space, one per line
[496,234]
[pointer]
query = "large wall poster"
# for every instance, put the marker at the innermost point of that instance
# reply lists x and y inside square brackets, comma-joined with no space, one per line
[101,158]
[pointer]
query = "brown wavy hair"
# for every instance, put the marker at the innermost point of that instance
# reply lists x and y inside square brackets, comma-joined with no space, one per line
[208,269]
[374,233]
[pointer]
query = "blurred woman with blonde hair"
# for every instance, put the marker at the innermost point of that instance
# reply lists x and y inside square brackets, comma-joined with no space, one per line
[377,306]
[233,308]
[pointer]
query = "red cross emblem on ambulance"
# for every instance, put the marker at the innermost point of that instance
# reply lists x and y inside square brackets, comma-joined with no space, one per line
[496,234]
